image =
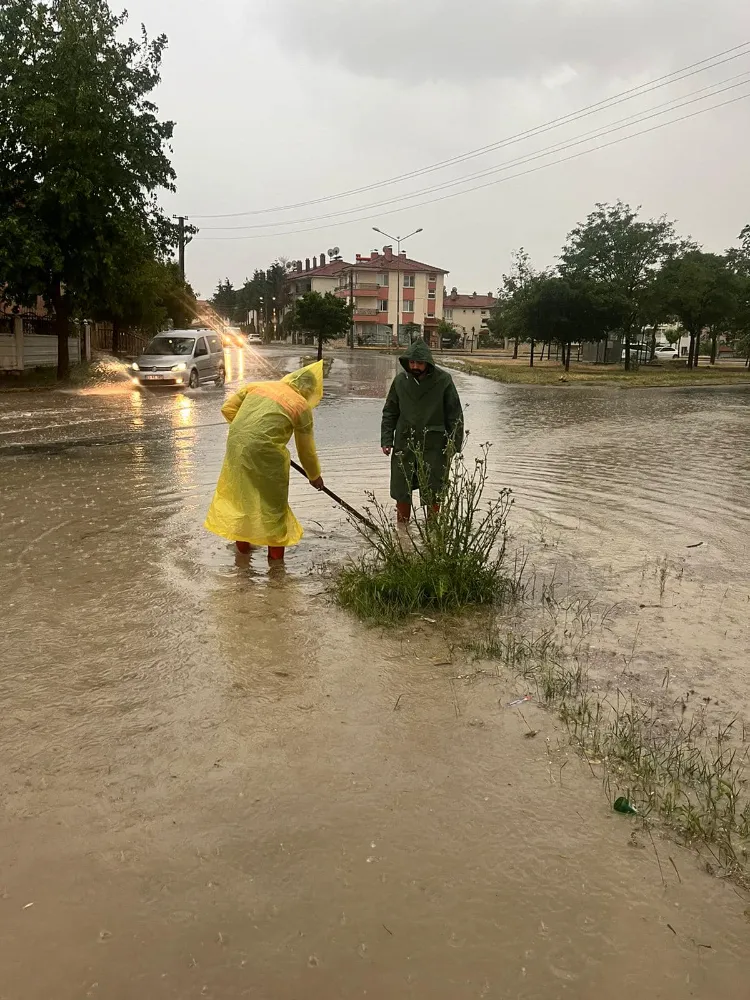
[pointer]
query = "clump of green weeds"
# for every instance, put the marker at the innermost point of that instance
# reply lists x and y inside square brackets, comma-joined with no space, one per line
[670,764]
[452,555]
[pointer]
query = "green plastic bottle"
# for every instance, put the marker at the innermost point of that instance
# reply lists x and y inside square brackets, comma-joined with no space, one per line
[622,805]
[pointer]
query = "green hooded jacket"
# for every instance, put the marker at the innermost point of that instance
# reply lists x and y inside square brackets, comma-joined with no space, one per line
[422,412]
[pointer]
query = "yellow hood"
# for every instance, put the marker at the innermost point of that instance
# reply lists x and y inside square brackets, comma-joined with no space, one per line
[308,382]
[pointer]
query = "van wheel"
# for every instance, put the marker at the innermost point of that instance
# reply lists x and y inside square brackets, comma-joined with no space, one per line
[221,378]
[193,381]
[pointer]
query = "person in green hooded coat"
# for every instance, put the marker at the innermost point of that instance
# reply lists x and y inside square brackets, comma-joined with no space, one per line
[422,411]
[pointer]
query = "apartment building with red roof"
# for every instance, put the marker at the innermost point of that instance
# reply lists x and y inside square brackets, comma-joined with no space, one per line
[390,291]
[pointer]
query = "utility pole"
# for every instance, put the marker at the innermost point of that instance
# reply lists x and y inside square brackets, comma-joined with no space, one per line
[398,293]
[398,240]
[351,303]
[181,244]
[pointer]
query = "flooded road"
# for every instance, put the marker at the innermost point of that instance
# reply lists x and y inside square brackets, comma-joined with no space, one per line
[207,788]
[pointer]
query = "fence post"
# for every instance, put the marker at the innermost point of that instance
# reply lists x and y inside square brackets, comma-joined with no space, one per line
[18,335]
[86,342]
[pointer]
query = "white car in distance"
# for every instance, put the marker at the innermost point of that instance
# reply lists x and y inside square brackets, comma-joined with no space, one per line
[665,352]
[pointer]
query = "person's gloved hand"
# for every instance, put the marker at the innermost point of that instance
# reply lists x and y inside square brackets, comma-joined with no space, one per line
[317,483]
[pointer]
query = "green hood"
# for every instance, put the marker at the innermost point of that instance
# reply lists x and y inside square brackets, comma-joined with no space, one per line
[418,351]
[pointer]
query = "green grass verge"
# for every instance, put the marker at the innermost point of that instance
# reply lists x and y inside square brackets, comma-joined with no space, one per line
[513,373]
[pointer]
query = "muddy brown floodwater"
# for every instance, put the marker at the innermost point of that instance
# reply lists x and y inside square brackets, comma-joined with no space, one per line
[216,785]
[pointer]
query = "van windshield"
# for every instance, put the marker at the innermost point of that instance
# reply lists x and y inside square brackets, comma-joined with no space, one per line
[171,345]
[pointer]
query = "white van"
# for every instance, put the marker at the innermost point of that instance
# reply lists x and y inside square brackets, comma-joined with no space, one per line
[185,358]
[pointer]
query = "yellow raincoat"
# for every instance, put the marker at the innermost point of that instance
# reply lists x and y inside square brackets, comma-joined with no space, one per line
[251,502]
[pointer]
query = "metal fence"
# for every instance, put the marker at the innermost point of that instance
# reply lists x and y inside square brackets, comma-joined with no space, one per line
[129,342]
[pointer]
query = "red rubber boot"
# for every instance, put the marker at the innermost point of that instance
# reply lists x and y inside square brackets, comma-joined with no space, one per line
[243,547]
[403,512]
[275,553]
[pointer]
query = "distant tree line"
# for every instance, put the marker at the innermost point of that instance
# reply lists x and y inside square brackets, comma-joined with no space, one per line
[622,276]
[264,297]
[83,156]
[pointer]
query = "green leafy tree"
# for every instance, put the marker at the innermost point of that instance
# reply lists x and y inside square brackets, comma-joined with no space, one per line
[267,295]
[326,317]
[175,296]
[143,292]
[739,261]
[224,300]
[554,309]
[615,246]
[503,322]
[701,291]
[82,154]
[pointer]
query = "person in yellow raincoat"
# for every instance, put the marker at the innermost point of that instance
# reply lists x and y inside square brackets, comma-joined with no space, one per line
[251,502]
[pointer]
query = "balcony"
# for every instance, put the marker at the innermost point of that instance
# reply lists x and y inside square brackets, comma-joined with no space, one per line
[366,315]
[361,288]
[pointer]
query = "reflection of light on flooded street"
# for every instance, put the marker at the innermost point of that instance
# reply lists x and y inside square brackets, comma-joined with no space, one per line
[183,417]
[184,406]
[136,403]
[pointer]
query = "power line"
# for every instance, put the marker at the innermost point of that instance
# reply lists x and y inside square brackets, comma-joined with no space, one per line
[667,79]
[499,180]
[634,119]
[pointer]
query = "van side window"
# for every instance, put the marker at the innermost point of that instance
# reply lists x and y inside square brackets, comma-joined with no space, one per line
[214,343]
[200,348]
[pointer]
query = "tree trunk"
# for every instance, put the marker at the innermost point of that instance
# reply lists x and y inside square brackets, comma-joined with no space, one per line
[714,340]
[531,355]
[515,349]
[653,344]
[320,346]
[62,328]
[694,351]
[627,351]
[115,336]
[566,351]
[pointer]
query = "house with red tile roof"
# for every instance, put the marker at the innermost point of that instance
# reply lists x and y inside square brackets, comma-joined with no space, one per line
[468,313]
[317,275]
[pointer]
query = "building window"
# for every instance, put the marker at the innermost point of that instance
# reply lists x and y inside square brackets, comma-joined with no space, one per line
[484,312]
[432,277]
[383,280]
[408,281]
[409,307]
[383,305]
[431,295]
[449,314]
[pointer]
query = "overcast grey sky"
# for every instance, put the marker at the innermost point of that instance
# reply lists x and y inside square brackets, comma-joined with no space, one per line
[279,102]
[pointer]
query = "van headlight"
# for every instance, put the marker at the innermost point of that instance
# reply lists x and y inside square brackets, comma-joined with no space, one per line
[179,368]
[135,367]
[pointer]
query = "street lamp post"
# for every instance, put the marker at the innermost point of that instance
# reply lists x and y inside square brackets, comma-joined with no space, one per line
[398,240]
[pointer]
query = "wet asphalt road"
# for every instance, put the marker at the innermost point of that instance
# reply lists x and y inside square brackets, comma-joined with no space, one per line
[206,790]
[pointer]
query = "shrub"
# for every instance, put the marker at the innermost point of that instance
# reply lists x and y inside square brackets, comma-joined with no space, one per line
[447,559]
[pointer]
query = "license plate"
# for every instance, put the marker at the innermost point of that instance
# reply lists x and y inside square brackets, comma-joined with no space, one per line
[153,378]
